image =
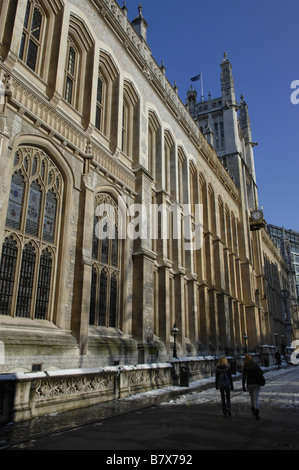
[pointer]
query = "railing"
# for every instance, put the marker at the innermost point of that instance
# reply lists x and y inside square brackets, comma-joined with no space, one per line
[24,396]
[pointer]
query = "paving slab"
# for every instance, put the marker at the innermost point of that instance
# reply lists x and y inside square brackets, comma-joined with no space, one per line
[180,420]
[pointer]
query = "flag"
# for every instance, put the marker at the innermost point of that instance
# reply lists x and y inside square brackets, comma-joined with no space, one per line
[195,79]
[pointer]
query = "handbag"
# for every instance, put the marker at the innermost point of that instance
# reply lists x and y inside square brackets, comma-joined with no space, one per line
[260,378]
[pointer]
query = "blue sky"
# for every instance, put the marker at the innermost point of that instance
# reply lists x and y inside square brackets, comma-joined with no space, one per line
[261,38]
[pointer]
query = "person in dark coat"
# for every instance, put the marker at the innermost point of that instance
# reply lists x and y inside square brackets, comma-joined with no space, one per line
[278,359]
[253,377]
[224,383]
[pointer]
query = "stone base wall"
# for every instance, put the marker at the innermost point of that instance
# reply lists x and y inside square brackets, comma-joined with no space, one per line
[27,396]
[24,396]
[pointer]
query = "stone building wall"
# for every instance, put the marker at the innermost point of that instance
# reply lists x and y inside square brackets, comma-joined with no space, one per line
[84,100]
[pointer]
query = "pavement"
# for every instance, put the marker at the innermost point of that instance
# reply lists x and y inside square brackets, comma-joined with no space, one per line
[166,424]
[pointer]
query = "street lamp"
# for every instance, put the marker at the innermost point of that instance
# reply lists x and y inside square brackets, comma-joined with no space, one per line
[245,339]
[282,345]
[175,332]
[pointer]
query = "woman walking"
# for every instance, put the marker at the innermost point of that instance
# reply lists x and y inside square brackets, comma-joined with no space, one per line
[253,376]
[224,382]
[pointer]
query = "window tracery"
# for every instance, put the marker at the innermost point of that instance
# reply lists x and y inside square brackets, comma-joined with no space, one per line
[105,282]
[29,252]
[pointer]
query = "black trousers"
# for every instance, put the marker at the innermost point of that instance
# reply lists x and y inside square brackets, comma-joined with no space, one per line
[225,399]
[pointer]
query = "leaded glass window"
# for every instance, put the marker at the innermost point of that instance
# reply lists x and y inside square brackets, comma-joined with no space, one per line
[125,125]
[26,282]
[43,286]
[113,301]
[105,248]
[99,104]
[7,274]
[34,209]
[33,218]
[93,296]
[69,90]
[71,61]
[71,78]
[114,249]
[30,47]
[104,299]
[16,199]
[50,217]
[101,111]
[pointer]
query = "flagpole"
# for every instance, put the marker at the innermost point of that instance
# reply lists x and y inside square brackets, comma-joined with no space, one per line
[196,79]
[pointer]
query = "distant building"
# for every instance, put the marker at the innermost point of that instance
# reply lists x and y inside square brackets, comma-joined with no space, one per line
[288,242]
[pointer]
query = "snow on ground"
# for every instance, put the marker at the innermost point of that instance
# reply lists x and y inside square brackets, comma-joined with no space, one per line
[281,390]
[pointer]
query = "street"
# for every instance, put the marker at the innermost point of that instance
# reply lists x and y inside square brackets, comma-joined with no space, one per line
[168,421]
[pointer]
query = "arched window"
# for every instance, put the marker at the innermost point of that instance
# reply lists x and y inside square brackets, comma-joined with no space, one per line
[100,108]
[130,127]
[107,98]
[78,75]
[72,70]
[104,297]
[32,36]
[182,177]
[169,163]
[125,142]
[29,252]
[154,145]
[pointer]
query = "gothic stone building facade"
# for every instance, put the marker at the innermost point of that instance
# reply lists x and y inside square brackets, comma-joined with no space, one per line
[226,125]
[88,118]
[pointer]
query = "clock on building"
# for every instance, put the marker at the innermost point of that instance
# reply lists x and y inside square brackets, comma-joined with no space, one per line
[256,220]
[257,216]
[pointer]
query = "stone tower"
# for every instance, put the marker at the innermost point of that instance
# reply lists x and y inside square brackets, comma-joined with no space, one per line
[226,125]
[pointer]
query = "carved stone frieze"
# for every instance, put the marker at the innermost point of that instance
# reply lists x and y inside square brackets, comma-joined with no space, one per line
[54,389]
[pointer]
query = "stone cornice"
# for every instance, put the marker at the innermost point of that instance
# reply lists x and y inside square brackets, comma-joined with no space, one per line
[65,132]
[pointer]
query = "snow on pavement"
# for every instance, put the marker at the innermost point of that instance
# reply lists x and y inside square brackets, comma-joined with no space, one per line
[281,390]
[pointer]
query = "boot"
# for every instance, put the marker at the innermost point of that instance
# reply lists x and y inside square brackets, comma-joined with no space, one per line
[257,417]
[253,411]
